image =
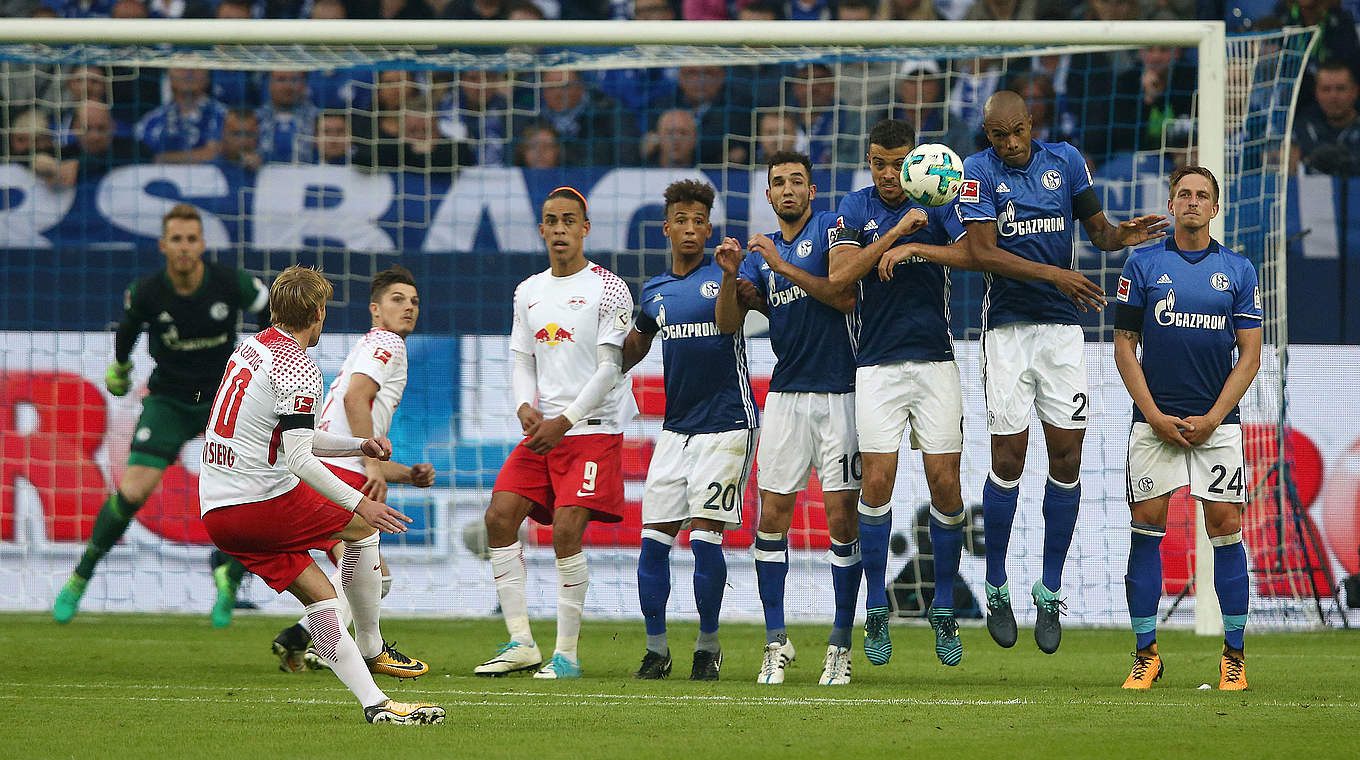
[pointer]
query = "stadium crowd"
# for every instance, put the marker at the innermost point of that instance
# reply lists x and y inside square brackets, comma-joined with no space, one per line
[75,123]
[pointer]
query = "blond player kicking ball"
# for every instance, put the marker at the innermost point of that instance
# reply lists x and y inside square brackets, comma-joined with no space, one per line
[267,500]
[362,401]
[572,398]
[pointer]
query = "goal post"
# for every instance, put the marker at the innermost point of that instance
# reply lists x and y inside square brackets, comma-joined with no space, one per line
[468,230]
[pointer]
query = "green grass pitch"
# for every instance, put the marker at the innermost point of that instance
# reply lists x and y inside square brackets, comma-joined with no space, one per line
[157,686]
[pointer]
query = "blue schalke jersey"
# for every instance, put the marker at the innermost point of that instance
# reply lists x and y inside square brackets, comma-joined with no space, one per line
[811,340]
[1193,304]
[1032,208]
[708,386]
[907,317]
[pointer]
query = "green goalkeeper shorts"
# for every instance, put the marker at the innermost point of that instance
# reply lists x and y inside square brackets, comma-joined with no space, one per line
[163,428]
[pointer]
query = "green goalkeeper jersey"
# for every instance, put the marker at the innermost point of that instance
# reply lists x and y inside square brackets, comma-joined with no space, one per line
[191,336]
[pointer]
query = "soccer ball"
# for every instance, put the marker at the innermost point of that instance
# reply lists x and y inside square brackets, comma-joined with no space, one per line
[932,175]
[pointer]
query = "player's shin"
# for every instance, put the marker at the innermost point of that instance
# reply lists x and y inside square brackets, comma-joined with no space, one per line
[846,571]
[946,537]
[109,526]
[1232,585]
[507,568]
[999,498]
[361,578]
[334,645]
[1062,501]
[573,578]
[654,586]
[772,568]
[1143,581]
[710,577]
[875,531]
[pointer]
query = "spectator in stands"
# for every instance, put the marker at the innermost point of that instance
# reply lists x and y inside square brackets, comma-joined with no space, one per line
[188,129]
[288,119]
[538,147]
[1337,39]
[240,156]
[132,9]
[866,82]
[808,10]
[908,10]
[1143,103]
[477,111]
[1050,124]
[80,8]
[471,10]
[777,132]
[722,110]
[1004,10]
[333,145]
[236,88]
[835,133]
[31,144]
[80,84]
[338,88]
[638,89]
[674,141]
[703,10]
[420,147]
[759,84]
[593,129]
[920,97]
[1327,134]
[97,149]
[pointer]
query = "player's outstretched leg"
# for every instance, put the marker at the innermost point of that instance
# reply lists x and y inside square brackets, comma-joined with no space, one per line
[1143,589]
[1233,588]
[875,532]
[573,579]
[291,647]
[109,526]
[227,574]
[946,536]
[520,652]
[999,498]
[710,577]
[1061,503]
[772,569]
[654,590]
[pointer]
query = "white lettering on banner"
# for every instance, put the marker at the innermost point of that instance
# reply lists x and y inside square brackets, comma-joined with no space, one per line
[124,200]
[284,220]
[38,209]
[618,196]
[501,195]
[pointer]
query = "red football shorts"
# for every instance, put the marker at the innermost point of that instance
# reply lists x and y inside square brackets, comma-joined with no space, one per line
[581,471]
[272,537]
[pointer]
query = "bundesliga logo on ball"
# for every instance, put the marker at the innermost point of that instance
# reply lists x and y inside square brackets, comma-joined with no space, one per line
[932,175]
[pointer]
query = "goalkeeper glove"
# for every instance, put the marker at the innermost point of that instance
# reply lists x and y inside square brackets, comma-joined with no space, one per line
[117,378]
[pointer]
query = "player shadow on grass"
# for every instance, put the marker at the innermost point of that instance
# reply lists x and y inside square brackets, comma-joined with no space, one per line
[911,593]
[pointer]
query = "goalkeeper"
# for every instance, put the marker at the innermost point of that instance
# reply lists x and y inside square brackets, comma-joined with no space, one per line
[190,310]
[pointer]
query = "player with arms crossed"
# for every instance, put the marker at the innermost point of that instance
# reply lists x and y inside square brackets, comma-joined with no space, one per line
[1191,302]
[569,326]
[1020,196]
[809,413]
[906,376]
[267,500]
[189,310]
[361,402]
[697,476]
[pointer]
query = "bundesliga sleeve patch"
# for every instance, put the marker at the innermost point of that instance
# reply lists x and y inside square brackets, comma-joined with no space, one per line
[1123,292]
[622,318]
[1256,296]
[303,404]
[971,191]
[382,355]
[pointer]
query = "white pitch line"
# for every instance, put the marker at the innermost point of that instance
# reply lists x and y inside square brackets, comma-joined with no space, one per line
[471,697]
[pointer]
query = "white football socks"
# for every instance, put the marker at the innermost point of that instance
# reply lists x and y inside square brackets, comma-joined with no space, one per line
[361,577]
[334,645]
[345,617]
[507,568]
[573,578]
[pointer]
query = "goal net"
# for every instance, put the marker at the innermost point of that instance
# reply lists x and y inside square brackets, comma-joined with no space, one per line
[358,145]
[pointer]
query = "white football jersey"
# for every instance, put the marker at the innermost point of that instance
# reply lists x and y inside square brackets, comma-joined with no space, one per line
[381,355]
[560,321]
[269,376]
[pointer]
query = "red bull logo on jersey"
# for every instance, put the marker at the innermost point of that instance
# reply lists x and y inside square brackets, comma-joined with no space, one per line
[552,334]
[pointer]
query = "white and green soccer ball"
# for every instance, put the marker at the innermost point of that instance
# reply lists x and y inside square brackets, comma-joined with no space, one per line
[932,175]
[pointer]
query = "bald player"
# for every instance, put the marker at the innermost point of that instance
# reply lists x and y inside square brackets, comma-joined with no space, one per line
[1021,196]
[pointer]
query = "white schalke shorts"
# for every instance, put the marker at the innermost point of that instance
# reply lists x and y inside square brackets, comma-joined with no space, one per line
[702,475]
[1215,470]
[926,395]
[805,430]
[1026,365]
